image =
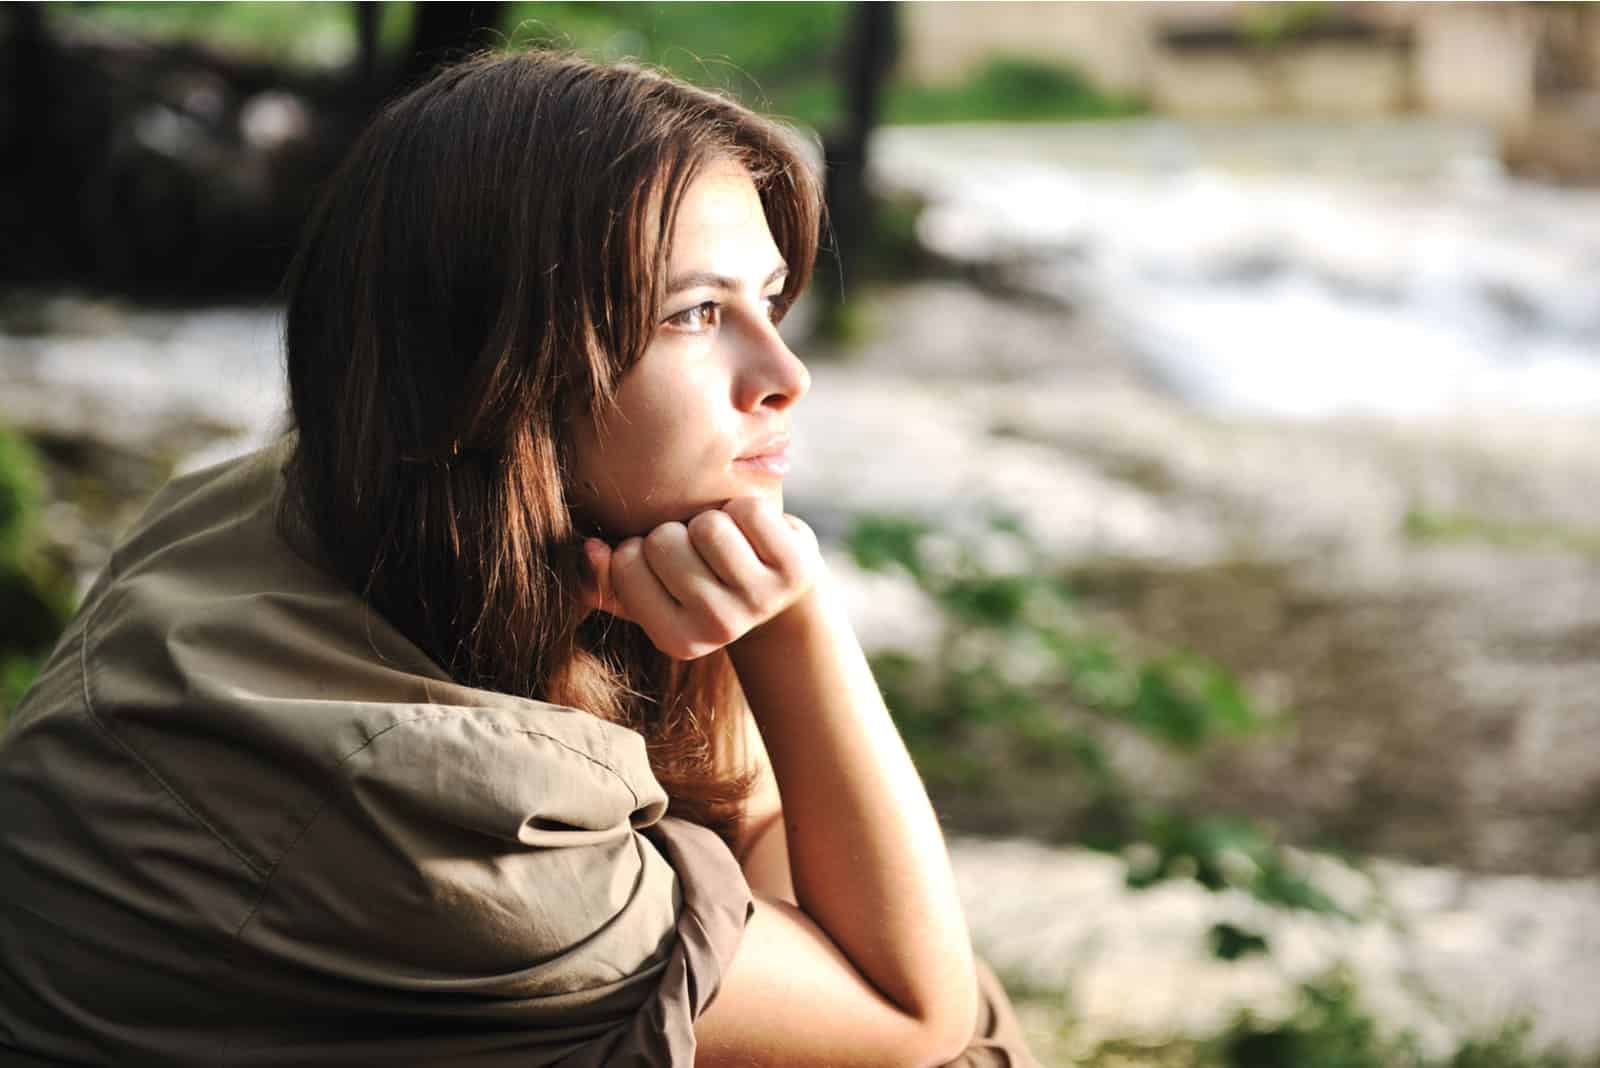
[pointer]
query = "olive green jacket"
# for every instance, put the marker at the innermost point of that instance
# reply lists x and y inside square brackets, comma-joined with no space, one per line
[244,821]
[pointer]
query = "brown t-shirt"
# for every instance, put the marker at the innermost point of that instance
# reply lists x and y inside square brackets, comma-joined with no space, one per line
[243,820]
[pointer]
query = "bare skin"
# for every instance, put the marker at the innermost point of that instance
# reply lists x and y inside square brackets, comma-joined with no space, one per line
[858,952]
[873,941]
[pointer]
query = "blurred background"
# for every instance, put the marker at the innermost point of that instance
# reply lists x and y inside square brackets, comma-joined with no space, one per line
[1203,425]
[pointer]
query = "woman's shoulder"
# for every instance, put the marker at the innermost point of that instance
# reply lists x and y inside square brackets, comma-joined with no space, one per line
[216,640]
[243,688]
[230,746]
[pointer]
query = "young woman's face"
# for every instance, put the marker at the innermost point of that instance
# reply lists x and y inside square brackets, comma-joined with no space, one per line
[704,415]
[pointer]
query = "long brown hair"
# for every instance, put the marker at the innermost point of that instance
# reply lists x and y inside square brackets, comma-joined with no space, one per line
[484,268]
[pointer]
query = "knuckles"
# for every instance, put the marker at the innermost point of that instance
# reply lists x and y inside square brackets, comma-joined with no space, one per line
[747,510]
[666,537]
[710,525]
[701,625]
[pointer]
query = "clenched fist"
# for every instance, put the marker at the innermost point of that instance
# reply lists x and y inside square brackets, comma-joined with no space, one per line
[698,586]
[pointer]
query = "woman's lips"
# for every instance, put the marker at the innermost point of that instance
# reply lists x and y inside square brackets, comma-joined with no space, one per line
[774,464]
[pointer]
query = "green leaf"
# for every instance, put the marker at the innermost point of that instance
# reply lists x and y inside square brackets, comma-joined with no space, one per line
[1162,708]
[1230,943]
[21,493]
[992,600]
[878,543]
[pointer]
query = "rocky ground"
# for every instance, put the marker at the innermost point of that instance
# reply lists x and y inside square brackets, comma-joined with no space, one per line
[1442,680]
[1440,953]
[1441,671]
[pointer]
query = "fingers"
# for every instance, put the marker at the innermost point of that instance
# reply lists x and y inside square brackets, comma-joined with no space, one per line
[718,540]
[784,543]
[651,574]
[644,597]
[596,593]
[687,576]
[695,587]
[808,537]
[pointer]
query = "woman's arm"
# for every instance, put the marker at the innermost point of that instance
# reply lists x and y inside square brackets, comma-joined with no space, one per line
[865,851]
[763,849]
[872,964]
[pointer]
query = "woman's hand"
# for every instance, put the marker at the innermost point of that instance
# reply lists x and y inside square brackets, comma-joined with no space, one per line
[698,586]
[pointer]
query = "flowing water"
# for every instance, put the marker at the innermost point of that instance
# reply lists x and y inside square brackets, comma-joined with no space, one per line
[1290,270]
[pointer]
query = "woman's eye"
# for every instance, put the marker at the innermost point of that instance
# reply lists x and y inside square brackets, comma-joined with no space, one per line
[707,315]
[702,316]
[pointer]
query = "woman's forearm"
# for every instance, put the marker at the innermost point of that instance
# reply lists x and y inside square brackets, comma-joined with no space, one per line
[865,851]
[762,851]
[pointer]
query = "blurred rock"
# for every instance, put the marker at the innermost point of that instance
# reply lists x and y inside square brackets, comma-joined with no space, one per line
[273,119]
[1560,143]
[1443,953]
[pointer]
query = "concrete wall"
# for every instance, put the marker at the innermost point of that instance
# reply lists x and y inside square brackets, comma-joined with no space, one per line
[1111,43]
[1466,60]
[1475,61]
[1332,79]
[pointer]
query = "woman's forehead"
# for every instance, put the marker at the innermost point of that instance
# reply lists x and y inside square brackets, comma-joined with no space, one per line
[721,225]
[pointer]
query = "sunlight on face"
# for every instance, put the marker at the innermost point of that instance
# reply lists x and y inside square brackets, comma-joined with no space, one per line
[716,385]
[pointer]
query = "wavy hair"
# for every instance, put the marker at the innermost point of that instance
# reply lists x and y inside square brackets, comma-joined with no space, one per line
[481,271]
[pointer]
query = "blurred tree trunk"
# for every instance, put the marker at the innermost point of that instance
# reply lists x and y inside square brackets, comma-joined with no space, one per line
[27,114]
[445,31]
[367,18]
[868,58]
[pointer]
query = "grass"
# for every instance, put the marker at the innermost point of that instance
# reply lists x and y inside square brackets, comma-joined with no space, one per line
[1429,527]
[1329,1027]
[1012,90]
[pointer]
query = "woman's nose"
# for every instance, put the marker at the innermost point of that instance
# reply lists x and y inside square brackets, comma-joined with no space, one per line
[771,375]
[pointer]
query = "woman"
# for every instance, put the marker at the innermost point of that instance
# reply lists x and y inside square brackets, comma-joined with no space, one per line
[361,749]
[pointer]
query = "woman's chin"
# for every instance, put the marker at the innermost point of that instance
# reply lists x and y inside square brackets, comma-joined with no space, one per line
[771,492]
[639,525]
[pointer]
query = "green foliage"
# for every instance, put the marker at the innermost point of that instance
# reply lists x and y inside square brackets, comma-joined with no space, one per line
[846,323]
[1512,1046]
[36,592]
[1229,942]
[776,57]
[1330,1028]
[1268,26]
[877,542]
[21,493]
[1429,527]
[1177,698]
[1183,700]
[1220,852]
[16,675]
[1018,680]
[1009,89]
[693,39]
[779,58]
[300,33]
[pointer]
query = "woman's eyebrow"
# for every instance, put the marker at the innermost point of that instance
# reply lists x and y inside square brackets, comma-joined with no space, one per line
[712,280]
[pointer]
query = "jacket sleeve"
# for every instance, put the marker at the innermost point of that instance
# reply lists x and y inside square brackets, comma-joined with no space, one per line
[489,890]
